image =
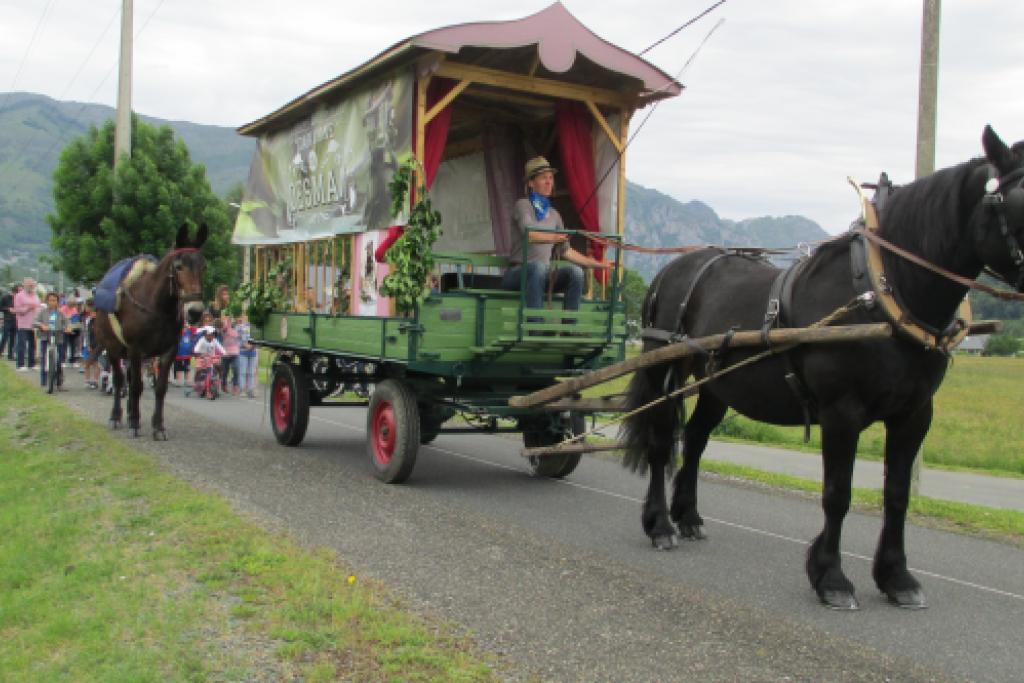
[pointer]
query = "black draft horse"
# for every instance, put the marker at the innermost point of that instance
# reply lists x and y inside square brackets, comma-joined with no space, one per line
[151,315]
[963,218]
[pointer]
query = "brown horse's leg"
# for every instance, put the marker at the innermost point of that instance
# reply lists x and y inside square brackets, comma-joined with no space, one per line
[840,431]
[134,393]
[117,377]
[903,439]
[166,361]
[708,412]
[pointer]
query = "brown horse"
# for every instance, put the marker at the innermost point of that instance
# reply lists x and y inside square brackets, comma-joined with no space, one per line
[148,322]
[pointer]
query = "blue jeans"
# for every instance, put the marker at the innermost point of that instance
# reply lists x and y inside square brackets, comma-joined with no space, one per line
[247,370]
[44,344]
[26,342]
[568,280]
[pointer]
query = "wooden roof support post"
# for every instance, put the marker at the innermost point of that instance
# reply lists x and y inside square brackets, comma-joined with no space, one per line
[537,86]
[601,121]
[422,82]
[620,199]
[446,100]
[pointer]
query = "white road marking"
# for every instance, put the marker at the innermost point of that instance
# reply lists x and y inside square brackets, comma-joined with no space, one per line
[734,525]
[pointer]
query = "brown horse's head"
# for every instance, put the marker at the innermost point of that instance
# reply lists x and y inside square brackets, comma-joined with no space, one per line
[187,270]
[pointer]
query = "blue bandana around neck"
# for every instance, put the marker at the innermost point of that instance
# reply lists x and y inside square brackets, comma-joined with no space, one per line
[541,205]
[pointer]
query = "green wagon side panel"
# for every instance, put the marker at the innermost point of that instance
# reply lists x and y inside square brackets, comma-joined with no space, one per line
[468,328]
[360,336]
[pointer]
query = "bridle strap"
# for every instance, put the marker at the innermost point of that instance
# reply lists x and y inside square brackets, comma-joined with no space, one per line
[182,296]
[995,201]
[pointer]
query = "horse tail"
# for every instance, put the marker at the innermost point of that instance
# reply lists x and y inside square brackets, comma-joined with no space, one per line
[650,432]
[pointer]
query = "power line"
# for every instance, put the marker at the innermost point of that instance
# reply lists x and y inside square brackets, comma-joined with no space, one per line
[61,138]
[24,57]
[95,45]
[688,23]
[654,106]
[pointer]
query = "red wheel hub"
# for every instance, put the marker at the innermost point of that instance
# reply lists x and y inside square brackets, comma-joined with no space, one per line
[281,404]
[384,433]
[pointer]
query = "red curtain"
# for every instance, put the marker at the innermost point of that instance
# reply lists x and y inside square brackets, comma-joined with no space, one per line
[433,149]
[437,129]
[575,146]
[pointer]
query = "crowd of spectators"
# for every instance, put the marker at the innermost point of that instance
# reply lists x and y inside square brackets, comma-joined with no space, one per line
[28,313]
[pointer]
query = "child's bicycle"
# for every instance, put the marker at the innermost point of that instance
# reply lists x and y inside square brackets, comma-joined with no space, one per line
[54,371]
[206,380]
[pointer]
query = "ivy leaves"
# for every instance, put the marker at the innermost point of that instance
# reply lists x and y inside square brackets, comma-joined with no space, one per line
[265,295]
[411,256]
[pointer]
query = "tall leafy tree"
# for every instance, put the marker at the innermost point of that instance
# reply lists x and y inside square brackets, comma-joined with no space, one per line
[101,217]
[634,289]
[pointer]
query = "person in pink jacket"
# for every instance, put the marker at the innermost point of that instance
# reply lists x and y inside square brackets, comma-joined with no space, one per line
[26,306]
[232,345]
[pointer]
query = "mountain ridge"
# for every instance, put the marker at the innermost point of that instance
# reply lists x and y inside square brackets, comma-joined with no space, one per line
[34,129]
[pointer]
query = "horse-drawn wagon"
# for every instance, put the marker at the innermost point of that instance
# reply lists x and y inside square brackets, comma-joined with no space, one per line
[469,103]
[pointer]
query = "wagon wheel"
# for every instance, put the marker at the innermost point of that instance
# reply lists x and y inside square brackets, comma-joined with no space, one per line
[554,466]
[289,404]
[392,431]
[431,418]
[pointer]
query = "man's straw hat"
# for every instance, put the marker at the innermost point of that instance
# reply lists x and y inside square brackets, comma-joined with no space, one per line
[538,165]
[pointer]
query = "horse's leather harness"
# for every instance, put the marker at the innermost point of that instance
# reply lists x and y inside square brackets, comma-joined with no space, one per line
[115,323]
[870,281]
[780,302]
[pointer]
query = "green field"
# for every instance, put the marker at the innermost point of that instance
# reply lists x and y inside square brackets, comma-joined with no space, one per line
[111,570]
[978,421]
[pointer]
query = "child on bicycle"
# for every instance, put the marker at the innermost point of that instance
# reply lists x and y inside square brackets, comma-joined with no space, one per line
[207,353]
[47,320]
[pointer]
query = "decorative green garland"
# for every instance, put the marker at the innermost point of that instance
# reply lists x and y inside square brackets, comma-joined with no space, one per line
[262,297]
[410,257]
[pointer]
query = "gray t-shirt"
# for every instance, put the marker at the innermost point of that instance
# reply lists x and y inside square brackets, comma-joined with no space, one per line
[523,218]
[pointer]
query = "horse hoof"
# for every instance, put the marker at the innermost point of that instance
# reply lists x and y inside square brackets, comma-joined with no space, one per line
[692,532]
[908,599]
[114,424]
[159,435]
[133,432]
[664,542]
[840,600]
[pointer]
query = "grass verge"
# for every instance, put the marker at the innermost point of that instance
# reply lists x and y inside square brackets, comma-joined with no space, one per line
[115,571]
[1007,525]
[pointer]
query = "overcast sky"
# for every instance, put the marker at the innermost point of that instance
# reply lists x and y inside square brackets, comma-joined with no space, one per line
[785,100]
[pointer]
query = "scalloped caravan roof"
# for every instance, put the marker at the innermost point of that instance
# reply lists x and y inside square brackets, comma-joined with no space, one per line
[560,39]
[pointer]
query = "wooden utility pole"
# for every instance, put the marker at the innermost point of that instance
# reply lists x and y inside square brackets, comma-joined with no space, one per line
[927,95]
[123,123]
[927,115]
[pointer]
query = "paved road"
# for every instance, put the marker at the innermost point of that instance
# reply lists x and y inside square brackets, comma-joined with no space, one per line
[558,580]
[963,487]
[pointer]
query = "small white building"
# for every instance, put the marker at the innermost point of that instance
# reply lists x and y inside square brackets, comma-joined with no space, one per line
[973,344]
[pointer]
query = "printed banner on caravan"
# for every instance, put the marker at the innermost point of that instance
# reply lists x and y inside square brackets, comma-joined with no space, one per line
[328,174]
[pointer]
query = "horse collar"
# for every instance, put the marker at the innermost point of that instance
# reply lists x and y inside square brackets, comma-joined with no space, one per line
[866,262]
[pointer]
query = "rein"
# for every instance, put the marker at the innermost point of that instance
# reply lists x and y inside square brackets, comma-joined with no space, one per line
[687,249]
[1003,294]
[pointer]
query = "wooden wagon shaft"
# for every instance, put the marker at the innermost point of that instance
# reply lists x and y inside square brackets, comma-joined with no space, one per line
[570,449]
[746,338]
[603,404]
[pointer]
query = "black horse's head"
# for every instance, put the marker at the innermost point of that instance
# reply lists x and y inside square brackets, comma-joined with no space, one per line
[1000,240]
[187,269]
